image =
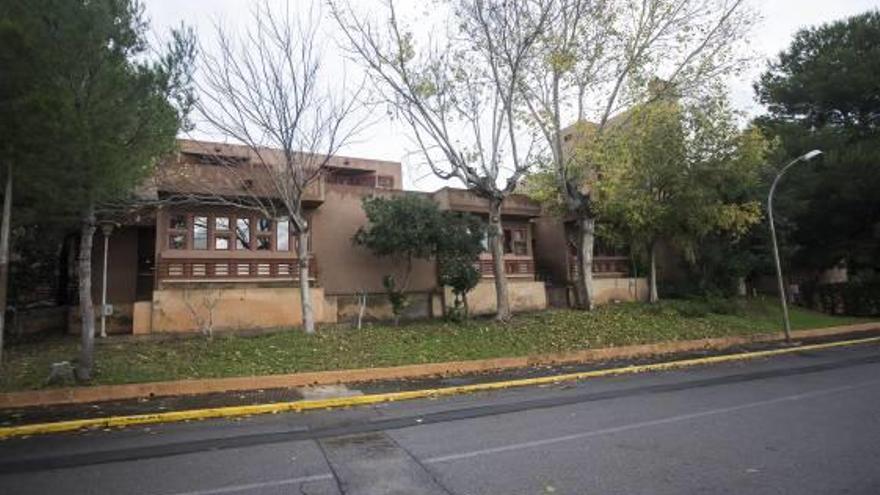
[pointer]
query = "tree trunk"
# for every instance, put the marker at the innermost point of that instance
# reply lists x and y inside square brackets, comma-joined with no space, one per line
[4,253]
[653,296]
[302,253]
[584,284]
[496,246]
[86,306]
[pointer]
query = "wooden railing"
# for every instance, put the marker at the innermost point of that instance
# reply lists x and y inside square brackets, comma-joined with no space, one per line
[365,180]
[208,269]
[513,268]
[603,267]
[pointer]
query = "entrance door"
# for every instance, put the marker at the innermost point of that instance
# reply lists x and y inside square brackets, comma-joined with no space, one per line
[146,269]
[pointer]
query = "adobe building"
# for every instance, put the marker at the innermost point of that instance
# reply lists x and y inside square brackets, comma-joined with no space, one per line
[178,265]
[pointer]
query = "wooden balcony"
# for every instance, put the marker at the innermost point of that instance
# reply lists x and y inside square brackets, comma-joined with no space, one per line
[362,180]
[603,267]
[519,268]
[232,269]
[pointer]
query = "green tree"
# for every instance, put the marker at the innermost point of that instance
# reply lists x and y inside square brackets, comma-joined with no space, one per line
[106,111]
[672,171]
[822,92]
[595,58]
[459,244]
[403,228]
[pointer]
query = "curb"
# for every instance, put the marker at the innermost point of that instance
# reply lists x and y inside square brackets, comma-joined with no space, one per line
[101,393]
[310,405]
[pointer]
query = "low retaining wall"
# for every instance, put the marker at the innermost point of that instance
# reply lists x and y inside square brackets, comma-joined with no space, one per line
[186,309]
[79,395]
[525,295]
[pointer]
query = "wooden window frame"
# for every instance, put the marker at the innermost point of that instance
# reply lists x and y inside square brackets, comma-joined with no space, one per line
[230,234]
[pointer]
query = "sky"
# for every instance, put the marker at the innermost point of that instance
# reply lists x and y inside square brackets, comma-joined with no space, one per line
[385,139]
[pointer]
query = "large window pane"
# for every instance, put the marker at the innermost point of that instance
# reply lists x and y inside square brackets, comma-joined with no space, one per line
[177,241]
[282,234]
[242,233]
[200,232]
[221,242]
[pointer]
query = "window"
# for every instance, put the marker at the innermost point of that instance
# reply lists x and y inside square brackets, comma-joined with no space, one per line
[243,233]
[264,243]
[200,232]
[520,246]
[221,223]
[264,234]
[221,242]
[177,241]
[282,234]
[515,242]
[177,232]
[385,181]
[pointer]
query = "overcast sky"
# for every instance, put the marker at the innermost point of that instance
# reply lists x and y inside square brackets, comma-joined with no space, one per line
[781,19]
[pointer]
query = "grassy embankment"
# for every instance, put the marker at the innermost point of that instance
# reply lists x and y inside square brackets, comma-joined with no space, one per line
[130,360]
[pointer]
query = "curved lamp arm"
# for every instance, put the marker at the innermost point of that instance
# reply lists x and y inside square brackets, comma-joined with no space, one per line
[805,157]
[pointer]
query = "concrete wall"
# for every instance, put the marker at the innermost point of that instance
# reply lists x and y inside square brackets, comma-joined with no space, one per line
[344,268]
[524,296]
[235,308]
[378,308]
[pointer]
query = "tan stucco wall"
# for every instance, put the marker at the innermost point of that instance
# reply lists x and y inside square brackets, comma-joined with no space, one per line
[524,296]
[344,268]
[620,289]
[378,308]
[142,318]
[237,308]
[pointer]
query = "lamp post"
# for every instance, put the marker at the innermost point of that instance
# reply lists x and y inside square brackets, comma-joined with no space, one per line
[803,158]
[106,229]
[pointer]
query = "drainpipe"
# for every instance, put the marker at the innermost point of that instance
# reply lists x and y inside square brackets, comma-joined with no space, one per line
[107,229]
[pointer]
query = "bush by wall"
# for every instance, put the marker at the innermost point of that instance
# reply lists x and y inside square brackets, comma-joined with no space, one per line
[857,298]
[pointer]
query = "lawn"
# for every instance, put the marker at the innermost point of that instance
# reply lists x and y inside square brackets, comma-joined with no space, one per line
[130,360]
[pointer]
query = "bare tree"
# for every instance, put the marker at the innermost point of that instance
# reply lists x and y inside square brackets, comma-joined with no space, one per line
[202,312]
[458,96]
[266,90]
[614,54]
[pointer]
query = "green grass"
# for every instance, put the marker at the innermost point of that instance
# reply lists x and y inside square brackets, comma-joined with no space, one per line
[130,360]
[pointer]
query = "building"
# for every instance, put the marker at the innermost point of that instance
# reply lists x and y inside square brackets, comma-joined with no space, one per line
[182,265]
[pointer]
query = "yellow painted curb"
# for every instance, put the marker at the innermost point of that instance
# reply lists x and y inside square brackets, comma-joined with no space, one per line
[361,400]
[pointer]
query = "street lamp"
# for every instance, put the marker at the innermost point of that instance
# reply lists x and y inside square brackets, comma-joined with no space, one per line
[803,158]
[107,229]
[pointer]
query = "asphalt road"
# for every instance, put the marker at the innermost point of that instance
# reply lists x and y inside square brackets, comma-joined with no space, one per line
[800,424]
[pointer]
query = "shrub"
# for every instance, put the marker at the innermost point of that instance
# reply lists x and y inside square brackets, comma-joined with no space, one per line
[857,298]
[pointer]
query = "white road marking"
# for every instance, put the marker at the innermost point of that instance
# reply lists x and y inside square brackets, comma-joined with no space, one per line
[645,424]
[264,484]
